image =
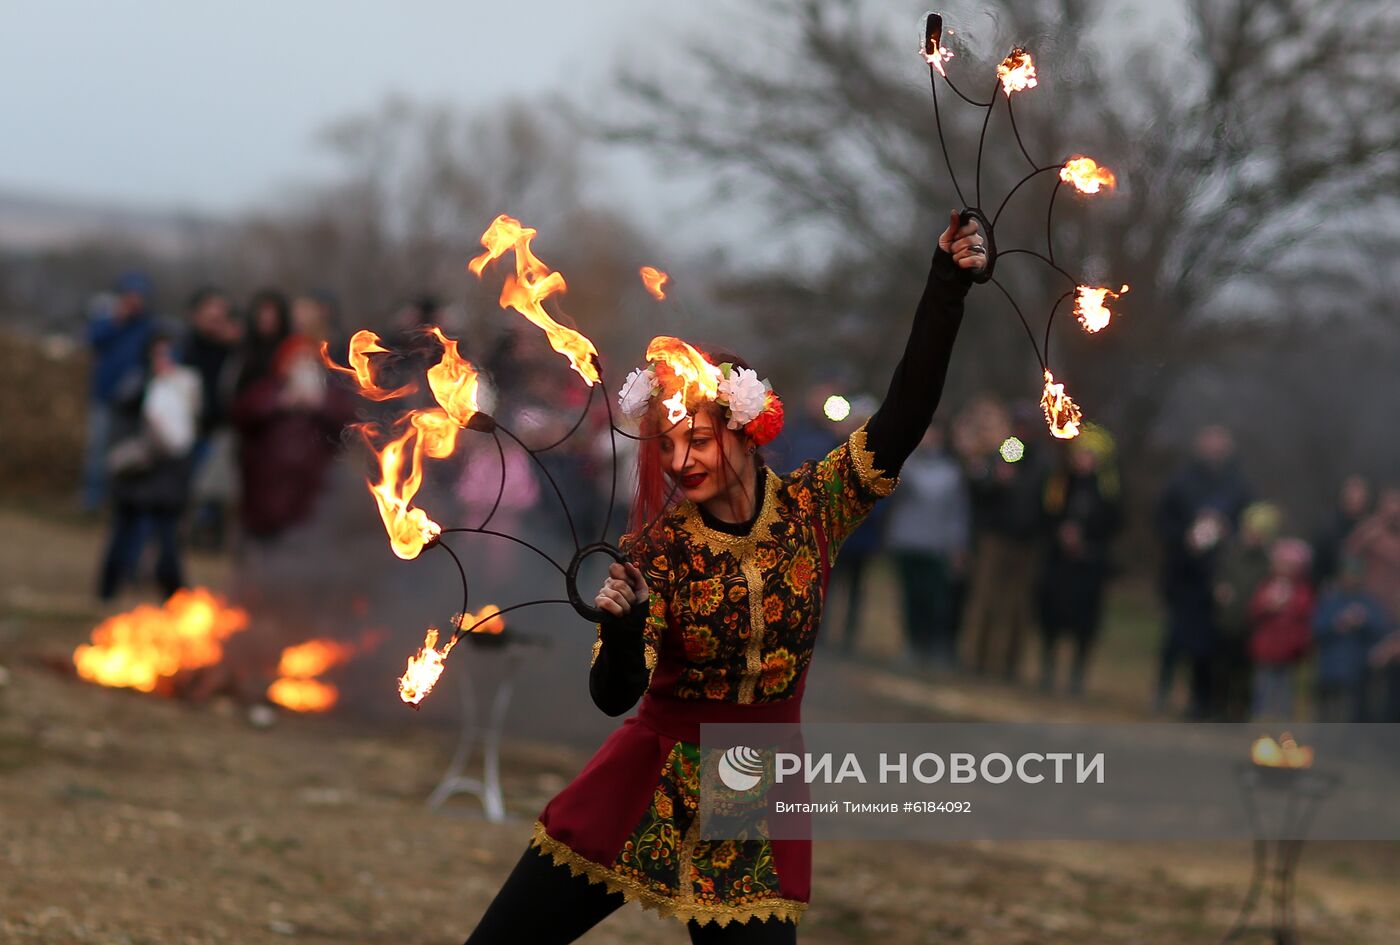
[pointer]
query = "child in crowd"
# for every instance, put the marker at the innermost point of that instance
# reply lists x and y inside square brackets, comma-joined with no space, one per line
[1281,613]
[1348,624]
[1244,566]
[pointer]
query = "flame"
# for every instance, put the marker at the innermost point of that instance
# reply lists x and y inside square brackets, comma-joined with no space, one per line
[526,291]
[1017,71]
[363,343]
[937,59]
[140,648]
[297,687]
[303,695]
[1285,753]
[655,280]
[453,381]
[1089,306]
[1087,175]
[697,377]
[675,407]
[313,658]
[487,621]
[1061,413]
[409,529]
[437,432]
[424,668]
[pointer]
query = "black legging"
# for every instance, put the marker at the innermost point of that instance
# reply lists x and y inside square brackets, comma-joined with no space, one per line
[542,904]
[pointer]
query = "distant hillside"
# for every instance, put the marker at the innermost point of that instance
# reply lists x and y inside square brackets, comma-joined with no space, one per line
[41,222]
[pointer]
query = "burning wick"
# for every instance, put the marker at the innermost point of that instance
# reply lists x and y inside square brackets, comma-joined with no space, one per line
[688,367]
[655,280]
[932,49]
[1089,306]
[1087,175]
[453,381]
[364,343]
[1017,72]
[1061,413]
[937,57]
[424,668]
[410,529]
[432,432]
[1285,753]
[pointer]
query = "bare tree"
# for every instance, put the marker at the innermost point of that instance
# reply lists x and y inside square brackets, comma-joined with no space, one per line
[1253,140]
[418,185]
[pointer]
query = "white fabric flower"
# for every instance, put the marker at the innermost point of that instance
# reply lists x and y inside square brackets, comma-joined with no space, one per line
[636,392]
[744,394]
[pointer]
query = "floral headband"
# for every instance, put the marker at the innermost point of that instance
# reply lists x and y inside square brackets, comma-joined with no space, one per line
[749,403]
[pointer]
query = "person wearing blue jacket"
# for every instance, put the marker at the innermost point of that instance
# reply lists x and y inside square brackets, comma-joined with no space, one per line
[118,338]
[1348,623]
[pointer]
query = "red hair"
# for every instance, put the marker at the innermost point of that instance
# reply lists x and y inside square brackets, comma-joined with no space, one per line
[655,492]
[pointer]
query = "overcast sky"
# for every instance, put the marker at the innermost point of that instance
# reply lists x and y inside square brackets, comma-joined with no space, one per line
[211,106]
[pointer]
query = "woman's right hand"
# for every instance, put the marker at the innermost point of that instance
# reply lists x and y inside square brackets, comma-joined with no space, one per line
[623,589]
[964,242]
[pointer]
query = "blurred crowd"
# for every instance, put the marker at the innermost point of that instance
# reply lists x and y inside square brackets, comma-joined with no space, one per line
[187,415]
[999,541]
[1250,608]
[219,429]
[1002,538]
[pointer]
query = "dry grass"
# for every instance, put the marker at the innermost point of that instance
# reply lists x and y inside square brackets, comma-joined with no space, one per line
[129,819]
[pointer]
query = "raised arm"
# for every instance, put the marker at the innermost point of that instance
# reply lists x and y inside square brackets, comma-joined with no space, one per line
[896,428]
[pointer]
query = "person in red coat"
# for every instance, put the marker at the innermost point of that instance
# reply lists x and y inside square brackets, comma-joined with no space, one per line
[289,422]
[1280,612]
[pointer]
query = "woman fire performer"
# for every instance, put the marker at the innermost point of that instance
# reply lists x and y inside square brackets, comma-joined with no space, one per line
[713,620]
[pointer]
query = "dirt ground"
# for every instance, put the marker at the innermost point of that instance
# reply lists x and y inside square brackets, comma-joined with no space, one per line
[144,821]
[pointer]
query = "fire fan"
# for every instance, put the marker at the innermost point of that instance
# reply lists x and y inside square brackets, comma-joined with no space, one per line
[673,367]
[1016,74]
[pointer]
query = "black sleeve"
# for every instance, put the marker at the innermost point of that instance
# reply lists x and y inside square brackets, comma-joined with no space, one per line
[619,675]
[896,428]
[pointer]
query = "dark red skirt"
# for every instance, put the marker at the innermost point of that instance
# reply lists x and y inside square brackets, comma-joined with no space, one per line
[601,807]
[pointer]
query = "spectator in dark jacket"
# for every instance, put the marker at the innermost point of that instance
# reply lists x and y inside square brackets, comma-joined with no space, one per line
[210,348]
[1346,628]
[155,418]
[1197,511]
[118,338]
[1353,506]
[1376,542]
[1008,520]
[930,522]
[269,323]
[1083,509]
